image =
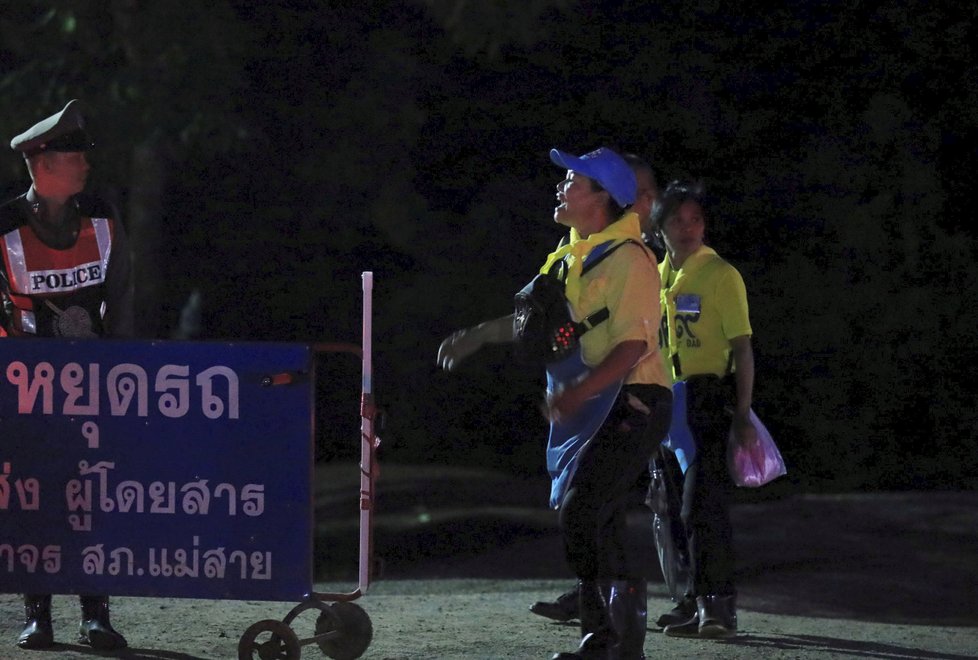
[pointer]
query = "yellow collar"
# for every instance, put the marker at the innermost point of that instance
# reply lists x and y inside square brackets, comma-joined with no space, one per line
[578,248]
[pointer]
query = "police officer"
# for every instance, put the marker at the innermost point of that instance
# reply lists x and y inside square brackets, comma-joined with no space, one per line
[66,272]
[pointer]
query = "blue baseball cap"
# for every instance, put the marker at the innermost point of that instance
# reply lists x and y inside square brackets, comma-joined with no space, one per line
[604,166]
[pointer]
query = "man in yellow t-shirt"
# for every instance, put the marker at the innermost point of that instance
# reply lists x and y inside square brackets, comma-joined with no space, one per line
[608,399]
[669,536]
[705,337]
[705,308]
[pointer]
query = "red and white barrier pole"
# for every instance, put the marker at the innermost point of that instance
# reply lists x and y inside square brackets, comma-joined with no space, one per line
[369,441]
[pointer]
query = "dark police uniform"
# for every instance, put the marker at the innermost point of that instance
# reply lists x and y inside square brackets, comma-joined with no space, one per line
[63,273]
[67,279]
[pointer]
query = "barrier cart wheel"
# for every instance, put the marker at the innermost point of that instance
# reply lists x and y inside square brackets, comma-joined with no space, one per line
[352,628]
[281,643]
[343,629]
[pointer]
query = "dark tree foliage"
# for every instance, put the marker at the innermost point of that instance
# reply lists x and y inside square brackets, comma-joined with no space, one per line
[834,138]
[269,152]
[160,82]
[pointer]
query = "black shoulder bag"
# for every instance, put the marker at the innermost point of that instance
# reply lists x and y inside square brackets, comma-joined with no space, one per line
[544,330]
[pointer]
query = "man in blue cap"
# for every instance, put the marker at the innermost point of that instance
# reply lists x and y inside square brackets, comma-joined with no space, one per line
[665,474]
[66,272]
[608,399]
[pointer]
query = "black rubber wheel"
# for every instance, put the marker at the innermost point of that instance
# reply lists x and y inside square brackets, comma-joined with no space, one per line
[352,627]
[282,644]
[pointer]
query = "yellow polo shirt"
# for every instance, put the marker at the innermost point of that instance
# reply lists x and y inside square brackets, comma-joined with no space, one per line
[626,282]
[704,306]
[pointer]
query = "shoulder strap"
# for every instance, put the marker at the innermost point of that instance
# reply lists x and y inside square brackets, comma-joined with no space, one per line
[592,320]
[605,252]
[602,314]
[597,254]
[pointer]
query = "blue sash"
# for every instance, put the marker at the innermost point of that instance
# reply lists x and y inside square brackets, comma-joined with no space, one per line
[680,439]
[569,437]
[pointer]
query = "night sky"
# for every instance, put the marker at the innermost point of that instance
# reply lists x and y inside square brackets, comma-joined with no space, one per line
[264,154]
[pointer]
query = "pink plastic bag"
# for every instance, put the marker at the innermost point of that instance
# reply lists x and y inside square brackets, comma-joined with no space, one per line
[757,464]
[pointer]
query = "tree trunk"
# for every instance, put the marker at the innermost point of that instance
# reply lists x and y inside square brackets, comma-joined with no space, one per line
[147,182]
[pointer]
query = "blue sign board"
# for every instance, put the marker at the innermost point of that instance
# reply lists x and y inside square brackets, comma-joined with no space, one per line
[160,468]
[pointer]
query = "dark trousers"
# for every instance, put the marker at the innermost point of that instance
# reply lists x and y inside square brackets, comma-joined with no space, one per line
[708,489]
[611,477]
[666,501]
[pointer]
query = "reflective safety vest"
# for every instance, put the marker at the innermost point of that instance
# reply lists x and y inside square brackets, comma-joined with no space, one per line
[57,293]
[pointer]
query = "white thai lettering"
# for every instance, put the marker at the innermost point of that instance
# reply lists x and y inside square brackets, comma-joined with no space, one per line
[172,563]
[124,384]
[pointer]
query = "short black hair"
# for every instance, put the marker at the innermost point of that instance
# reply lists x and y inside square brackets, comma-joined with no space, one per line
[674,196]
[639,164]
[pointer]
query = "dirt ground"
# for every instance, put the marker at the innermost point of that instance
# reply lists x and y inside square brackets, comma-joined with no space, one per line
[462,554]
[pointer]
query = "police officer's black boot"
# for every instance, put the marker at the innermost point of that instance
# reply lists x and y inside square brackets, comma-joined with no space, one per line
[629,614]
[95,629]
[38,633]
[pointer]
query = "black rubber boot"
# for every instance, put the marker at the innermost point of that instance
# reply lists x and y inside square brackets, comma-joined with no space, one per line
[718,616]
[595,622]
[565,608]
[688,628]
[715,618]
[95,629]
[38,633]
[628,611]
[600,637]
[586,651]
[593,608]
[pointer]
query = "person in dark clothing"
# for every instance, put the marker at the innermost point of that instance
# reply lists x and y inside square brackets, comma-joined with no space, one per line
[66,272]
